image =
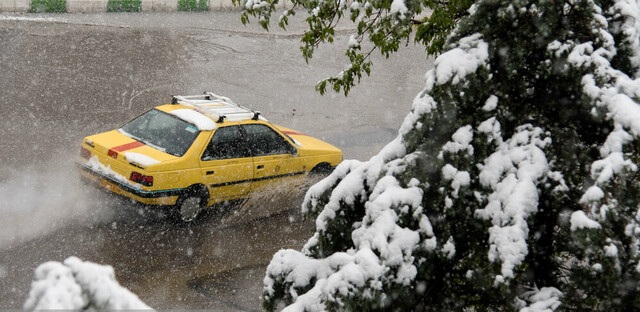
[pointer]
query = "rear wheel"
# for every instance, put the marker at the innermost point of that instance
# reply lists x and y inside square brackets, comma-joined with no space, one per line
[189,205]
[189,209]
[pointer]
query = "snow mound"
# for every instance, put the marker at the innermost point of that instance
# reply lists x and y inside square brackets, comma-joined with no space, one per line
[77,285]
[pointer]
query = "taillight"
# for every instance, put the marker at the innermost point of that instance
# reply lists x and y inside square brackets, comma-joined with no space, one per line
[85,153]
[112,153]
[141,178]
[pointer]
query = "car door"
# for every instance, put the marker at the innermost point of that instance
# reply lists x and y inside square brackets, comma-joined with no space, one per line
[274,158]
[226,165]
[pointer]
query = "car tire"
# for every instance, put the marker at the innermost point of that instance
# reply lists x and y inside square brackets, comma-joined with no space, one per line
[321,170]
[188,206]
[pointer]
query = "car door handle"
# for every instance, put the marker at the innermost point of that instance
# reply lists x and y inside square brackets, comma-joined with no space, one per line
[260,166]
[210,172]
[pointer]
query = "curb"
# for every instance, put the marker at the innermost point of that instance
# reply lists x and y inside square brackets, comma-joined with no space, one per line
[99,6]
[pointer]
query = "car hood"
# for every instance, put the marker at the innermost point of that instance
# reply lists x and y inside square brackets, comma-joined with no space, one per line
[308,145]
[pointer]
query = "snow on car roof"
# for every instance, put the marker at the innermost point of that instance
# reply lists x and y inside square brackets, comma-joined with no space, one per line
[201,121]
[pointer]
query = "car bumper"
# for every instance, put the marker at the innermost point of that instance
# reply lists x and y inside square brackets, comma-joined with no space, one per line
[159,197]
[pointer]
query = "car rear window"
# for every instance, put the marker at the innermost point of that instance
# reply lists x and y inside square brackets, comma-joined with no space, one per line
[162,131]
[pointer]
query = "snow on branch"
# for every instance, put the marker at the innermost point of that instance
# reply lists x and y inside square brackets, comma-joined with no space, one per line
[546,299]
[350,180]
[380,242]
[338,275]
[614,95]
[513,173]
[380,230]
[628,13]
[454,65]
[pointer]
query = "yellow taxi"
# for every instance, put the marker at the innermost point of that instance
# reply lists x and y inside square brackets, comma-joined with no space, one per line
[198,151]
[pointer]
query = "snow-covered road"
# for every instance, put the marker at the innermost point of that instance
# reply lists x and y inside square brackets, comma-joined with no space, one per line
[66,76]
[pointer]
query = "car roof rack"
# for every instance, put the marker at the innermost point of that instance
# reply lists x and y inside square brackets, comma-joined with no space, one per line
[219,108]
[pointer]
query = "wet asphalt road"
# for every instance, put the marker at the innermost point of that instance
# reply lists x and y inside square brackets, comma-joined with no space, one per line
[66,76]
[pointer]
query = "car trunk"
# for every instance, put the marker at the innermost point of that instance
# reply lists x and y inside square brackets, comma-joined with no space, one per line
[123,155]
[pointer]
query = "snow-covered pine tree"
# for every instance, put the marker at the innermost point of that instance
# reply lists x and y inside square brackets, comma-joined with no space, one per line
[512,184]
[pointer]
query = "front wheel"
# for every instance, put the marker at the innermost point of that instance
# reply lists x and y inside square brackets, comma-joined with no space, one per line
[321,170]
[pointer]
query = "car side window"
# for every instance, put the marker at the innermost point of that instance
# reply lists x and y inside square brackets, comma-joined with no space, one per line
[227,142]
[263,140]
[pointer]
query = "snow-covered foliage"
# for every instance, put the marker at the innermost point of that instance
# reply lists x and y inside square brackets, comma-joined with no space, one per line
[76,285]
[512,184]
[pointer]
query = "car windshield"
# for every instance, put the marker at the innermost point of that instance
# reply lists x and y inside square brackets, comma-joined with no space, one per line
[162,131]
